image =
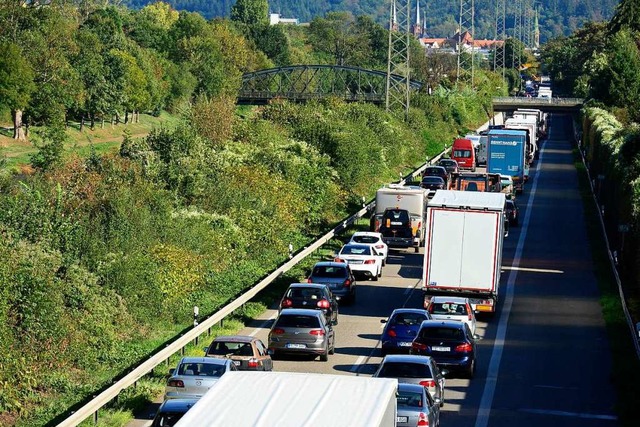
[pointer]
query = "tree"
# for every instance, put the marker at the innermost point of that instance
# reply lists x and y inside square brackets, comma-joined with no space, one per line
[251,12]
[627,16]
[336,36]
[16,84]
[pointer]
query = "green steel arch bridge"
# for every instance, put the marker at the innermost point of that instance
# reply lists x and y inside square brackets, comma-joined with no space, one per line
[304,82]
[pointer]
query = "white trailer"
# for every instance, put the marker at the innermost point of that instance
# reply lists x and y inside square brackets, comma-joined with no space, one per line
[287,399]
[529,124]
[463,247]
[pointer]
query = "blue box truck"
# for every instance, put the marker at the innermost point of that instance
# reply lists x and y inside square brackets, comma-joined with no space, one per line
[506,154]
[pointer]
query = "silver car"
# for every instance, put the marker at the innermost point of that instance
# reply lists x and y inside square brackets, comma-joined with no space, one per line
[453,308]
[302,331]
[414,369]
[416,407]
[194,376]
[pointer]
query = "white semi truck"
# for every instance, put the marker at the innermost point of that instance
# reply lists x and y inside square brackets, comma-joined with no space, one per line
[463,247]
[287,399]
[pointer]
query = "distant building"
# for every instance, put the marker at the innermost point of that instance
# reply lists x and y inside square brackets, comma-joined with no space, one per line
[275,19]
[466,42]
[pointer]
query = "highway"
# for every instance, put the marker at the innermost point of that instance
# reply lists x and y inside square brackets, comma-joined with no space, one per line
[543,358]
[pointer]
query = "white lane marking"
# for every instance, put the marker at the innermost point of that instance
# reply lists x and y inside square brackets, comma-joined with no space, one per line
[533,270]
[570,414]
[356,365]
[484,410]
[264,324]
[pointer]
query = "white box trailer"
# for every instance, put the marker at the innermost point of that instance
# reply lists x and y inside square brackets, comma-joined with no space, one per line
[287,399]
[411,198]
[530,125]
[463,248]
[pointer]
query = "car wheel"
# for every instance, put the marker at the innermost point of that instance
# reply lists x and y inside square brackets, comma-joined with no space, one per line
[471,370]
[384,262]
[332,350]
[416,249]
[374,278]
[324,357]
[380,272]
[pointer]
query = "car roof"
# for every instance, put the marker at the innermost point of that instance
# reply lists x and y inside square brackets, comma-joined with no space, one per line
[177,405]
[330,264]
[447,161]
[416,388]
[435,167]
[367,233]
[455,324]
[210,360]
[457,300]
[234,338]
[300,312]
[408,358]
[409,310]
[308,285]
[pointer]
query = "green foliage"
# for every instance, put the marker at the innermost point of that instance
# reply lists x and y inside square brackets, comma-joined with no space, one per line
[250,12]
[50,147]
[16,77]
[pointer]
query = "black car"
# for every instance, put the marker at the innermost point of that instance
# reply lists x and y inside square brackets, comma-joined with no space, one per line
[313,296]
[436,171]
[513,214]
[171,411]
[433,183]
[450,343]
[450,165]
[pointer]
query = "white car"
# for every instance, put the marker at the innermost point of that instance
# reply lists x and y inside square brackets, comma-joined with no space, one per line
[362,259]
[374,239]
[453,308]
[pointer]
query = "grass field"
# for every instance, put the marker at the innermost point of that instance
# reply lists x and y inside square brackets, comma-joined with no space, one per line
[103,140]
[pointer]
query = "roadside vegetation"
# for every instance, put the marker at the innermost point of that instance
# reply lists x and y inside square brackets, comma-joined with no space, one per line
[109,238]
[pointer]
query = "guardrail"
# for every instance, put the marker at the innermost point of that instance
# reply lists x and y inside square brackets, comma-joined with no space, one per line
[93,406]
[635,329]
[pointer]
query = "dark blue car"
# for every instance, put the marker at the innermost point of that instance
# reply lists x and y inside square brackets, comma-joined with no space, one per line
[401,329]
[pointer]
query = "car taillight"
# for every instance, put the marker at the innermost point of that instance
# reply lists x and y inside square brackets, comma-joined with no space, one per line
[391,333]
[420,224]
[339,260]
[175,383]
[431,308]
[463,348]
[423,420]
[347,283]
[370,261]
[286,303]
[278,331]
[418,346]
[317,332]
[428,383]
[253,363]
[379,246]
[309,280]
[469,314]
[323,303]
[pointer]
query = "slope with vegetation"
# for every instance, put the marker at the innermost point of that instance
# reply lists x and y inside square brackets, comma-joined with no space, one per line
[102,257]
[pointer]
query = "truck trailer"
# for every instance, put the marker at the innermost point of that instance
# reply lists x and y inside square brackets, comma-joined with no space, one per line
[287,399]
[399,215]
[463,247]
[507,155]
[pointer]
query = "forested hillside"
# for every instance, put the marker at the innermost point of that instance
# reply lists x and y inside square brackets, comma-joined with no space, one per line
[557,17]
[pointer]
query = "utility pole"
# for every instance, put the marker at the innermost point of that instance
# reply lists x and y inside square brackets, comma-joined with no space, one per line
[527,13]
[500,36]
[398,56]
[517,34]
[466,61]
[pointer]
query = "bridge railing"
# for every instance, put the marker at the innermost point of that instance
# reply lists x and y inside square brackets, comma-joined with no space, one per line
[515,100]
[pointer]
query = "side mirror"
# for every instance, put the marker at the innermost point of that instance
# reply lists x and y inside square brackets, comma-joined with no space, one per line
[205,349]
[477,337]
[171,371]
[437,401]
[444,372]
[383,320]
[152,416]
[270,351]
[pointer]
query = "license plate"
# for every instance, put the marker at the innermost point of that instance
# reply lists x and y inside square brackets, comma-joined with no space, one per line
[296,346]
[404,344]
[402,419]
[355,261]
[436,348]
[237,362]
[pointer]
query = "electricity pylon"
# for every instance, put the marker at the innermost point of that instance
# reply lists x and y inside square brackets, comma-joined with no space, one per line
[398,57]
[517,34]
[500,36]
[466,61]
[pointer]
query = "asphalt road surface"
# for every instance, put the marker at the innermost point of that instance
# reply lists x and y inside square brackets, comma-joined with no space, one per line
[544,358]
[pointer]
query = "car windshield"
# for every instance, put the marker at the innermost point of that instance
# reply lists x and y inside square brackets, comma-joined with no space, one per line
[432,180]
[356,250]
[409,399]
[226,348]
[201,369]
[365,239]
[408,319]
[448,308]
[442,333]
[306,293]
[433,171]
[405,370]
[329,271]
[298,321]
[398,216]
